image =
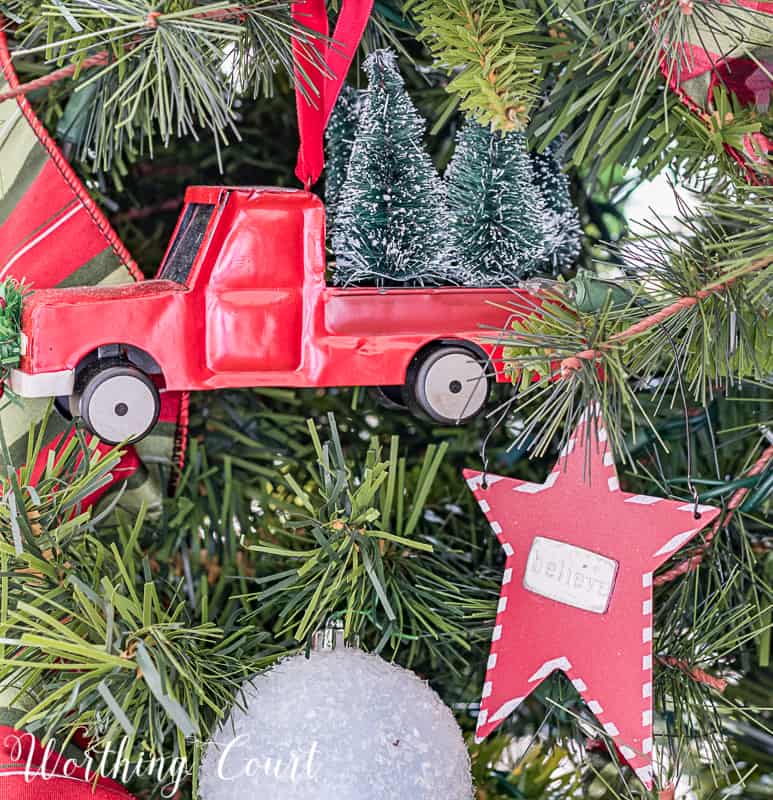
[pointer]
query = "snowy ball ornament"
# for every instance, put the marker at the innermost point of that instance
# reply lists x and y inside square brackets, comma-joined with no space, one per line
[340,725]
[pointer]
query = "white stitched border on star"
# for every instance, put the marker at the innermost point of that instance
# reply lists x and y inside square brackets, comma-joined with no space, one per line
[700,509]
[563,663]
[643,499]
[533,488]
[675,542]
[476,482]
[645,772]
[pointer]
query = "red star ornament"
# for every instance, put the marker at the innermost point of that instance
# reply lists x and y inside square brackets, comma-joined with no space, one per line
[577,589]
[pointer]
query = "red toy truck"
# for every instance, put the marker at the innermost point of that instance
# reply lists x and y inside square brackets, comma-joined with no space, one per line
[241,300]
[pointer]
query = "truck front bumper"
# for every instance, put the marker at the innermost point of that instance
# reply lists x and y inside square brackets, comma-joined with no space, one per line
[42,384]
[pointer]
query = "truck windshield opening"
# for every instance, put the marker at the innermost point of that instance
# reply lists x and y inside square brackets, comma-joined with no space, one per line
[186,244]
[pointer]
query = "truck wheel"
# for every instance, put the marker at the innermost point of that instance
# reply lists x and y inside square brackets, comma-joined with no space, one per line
[449,384]
[118,403]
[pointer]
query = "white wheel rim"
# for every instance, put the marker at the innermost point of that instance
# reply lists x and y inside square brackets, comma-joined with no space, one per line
[456,386]
[121,408]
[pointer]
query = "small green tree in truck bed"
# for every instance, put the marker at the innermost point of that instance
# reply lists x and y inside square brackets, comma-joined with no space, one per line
[389,226]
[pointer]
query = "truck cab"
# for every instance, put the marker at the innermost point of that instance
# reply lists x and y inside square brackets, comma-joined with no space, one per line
[241,300]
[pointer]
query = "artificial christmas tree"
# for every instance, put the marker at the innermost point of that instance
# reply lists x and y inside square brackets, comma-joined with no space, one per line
[340,134]
[497,213]
[390,226]
[140,590]
[561,222]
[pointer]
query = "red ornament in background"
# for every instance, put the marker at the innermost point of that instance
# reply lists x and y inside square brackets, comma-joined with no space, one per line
[577,588]
[713,55]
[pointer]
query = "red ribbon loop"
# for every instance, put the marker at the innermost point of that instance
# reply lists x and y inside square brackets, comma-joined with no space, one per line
[320,70]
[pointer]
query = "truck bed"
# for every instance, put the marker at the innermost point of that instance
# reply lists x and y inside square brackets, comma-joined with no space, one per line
[433,310]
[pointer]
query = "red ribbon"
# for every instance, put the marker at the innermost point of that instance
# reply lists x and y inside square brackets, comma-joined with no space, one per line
[320,70]
[28,771]
[127,465]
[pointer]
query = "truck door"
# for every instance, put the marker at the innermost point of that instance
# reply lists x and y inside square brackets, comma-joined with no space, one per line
[254,299]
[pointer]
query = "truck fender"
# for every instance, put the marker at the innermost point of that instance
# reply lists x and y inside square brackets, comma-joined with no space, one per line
[136,356]
[425,348]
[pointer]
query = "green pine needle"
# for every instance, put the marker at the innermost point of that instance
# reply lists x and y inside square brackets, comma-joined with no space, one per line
[12,294]
[487,49]
[353,545]
[178,77]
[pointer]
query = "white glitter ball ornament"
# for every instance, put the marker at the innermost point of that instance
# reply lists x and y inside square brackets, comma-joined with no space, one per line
[341,725]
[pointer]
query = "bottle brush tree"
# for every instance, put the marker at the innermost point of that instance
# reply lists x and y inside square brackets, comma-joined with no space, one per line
[561,222]
[497,214]
[390,225]
[339,140]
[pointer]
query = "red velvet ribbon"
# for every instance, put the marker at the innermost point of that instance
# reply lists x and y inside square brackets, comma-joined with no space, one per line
[29,771]
[320,70]
[127,465]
